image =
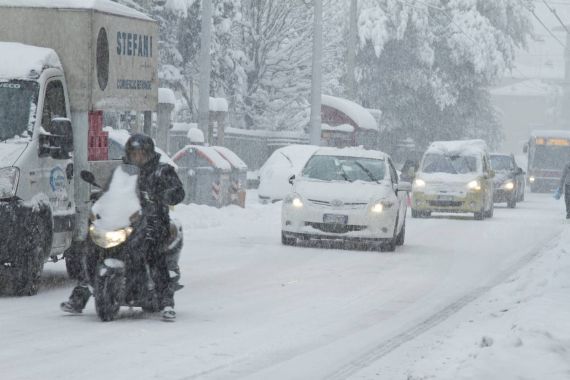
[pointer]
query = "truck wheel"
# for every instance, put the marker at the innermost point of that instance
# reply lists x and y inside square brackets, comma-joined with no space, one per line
[109,292]
[31,265]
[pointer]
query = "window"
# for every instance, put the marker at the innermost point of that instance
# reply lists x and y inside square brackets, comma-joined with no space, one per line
[54,103]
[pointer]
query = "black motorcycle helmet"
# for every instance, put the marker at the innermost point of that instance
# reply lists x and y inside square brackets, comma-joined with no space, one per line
[139,149]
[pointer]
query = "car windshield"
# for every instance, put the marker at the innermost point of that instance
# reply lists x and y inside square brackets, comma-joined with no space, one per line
[502,163]
[18,102]
[451,164]
[336,168]
[551,157]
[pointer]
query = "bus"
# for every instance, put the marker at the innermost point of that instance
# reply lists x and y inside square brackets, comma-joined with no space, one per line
[548,151]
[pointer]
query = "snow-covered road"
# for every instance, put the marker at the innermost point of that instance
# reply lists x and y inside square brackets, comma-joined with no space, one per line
[254,308]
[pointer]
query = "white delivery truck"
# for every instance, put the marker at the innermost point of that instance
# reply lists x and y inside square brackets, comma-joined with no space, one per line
[63,63]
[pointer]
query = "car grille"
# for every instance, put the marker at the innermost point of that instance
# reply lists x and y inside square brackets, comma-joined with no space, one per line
[445,203]
[353,205]
[335,228]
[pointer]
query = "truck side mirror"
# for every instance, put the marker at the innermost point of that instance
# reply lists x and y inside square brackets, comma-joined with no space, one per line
[525,148]
[519,171]
[57,143]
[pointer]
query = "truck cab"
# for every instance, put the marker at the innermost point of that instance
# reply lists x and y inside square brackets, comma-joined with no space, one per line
[64,64]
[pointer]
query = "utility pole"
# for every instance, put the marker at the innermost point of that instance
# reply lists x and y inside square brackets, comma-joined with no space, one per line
[352,43]
[316,92]
[205,67]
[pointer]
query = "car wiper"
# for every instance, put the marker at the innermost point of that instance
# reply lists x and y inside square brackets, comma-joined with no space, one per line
[288,159]
[367,171]
[344,175]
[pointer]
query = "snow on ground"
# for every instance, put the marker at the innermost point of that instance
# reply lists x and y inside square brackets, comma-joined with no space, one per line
[252,308]
[518,330]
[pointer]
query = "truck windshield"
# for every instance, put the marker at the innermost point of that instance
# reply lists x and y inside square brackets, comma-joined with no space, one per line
[451,164]
[550,157]
[18,102]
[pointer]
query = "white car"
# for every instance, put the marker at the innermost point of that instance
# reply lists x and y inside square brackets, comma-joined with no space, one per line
[283,163]
[347,194]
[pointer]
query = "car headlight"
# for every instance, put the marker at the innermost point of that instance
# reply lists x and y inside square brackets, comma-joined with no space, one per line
[109,239]
[9,178]
[379,206]
[294,200]
[531,179]
[509,185]
[474,185]
[419,183]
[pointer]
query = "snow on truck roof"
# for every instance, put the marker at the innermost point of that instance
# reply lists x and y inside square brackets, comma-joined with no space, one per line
[550,133]
[459,146]
[24,61]
[103,6]
[351,152]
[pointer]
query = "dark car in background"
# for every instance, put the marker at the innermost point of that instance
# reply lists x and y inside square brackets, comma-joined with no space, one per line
[509,180]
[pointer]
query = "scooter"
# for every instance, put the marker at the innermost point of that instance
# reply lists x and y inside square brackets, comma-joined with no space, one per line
[122,275]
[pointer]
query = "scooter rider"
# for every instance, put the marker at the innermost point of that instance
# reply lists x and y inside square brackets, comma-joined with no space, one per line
[158,188]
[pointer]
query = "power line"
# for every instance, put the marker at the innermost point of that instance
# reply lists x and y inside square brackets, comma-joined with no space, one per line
[556,15]
[545,27]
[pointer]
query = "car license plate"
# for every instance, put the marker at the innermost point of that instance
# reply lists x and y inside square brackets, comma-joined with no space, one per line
[445,198]
[335,219]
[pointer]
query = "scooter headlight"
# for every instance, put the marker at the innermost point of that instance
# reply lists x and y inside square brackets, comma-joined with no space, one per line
[109,239]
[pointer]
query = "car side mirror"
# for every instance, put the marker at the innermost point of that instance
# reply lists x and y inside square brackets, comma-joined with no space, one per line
[404,186]
[525,148]
[519,171]
[292,179]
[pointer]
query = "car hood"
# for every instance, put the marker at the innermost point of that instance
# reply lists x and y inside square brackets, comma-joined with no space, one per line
[9,153]
[347,192]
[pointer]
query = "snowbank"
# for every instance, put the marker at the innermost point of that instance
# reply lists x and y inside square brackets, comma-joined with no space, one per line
[520,330]
[19,61]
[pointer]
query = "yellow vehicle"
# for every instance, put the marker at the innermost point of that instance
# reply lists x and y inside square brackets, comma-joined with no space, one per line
[454,177]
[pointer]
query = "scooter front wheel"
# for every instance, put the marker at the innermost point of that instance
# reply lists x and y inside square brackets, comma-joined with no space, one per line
[109,292]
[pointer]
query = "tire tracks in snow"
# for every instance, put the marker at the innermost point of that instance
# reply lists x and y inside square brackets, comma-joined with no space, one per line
[432,321]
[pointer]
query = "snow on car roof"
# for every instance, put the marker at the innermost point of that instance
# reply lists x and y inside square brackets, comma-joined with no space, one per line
[231,157]
[22,61]
[351,152]
[103,6]
[458,147]
[360,115]
[550,133]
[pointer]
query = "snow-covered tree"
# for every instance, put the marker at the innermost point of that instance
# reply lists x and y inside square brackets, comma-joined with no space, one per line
[276,40]
[427,63]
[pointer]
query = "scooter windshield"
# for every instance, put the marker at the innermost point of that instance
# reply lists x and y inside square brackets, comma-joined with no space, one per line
[119,202]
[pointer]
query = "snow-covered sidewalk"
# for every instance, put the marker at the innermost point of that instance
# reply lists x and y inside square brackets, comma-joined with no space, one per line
[519,330]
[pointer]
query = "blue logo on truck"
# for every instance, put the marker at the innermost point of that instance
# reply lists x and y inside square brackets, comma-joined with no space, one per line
[57,179]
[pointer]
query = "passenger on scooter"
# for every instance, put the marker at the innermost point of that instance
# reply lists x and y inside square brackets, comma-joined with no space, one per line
[158,187]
